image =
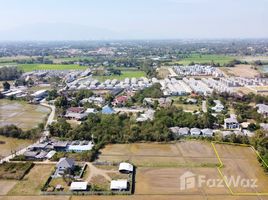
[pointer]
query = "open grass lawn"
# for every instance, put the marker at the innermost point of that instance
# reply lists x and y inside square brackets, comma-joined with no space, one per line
[58,181]
[206,58]
[125,74]
[14,171]
[31,184]
[22,114]
[8,144]
[187,107]
[32,67]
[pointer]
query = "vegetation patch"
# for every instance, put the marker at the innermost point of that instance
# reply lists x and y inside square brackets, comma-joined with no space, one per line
[14,171]
[33,67]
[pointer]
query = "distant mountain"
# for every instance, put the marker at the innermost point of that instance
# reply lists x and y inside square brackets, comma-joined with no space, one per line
[54,31]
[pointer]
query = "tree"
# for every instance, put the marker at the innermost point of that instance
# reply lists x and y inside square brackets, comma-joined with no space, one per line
[61,102]
[6,86]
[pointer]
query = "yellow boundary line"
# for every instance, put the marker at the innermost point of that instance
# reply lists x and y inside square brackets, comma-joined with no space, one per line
[221,166]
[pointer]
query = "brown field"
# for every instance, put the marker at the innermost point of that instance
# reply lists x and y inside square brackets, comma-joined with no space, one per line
[161,180]
[12,144]
[22,114]
[167,181]
[34,197]
[31,184]
[170,197]
[254,58]
[190,153]
[241,70]
[242,162]
[6,186]
[163,73]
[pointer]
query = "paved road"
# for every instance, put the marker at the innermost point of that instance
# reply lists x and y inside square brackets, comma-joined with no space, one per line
[52,114]
[45,133]
[204,106]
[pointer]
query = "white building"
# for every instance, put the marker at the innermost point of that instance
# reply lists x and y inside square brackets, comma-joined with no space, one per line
[119,185]
[78,186]
[126,168]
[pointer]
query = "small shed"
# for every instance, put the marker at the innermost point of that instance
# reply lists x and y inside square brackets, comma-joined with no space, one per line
[78,186]
[119,185]
[125,168]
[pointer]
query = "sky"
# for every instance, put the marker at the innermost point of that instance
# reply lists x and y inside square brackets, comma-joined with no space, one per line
[132,19]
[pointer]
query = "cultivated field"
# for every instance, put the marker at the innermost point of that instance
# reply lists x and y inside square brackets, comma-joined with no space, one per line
[163,182]
[22,114]
[204,59]
[161,155]
[6,186]
[125,74]
[160,166]
[169,197]
[31,184]
[32,67]
[241,70]
[242,162]
[8,144]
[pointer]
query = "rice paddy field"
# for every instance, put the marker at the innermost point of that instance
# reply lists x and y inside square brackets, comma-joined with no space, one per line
[22,114]
[32,67]
[163,182]
[205,58]
[125,74]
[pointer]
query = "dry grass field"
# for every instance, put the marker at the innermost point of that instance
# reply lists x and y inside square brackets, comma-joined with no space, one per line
[11,144]
[34,197]
[241,70]
[190,153]
[22,114]
[6,186]
[242,162]
[167,181]
[169,197]
[31,184]
[161,180]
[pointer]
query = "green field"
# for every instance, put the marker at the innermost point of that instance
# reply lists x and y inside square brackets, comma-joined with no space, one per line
[125,74]
[32,67]
[207,58]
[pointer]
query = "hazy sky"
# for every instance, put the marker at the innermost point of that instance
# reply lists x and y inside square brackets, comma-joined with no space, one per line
[132,19]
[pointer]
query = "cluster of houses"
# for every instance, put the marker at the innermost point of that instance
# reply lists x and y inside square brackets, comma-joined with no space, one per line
[162,102]
[47,149]
[197,70]
[93,84]
[21,91]
[66,167]
[184,131]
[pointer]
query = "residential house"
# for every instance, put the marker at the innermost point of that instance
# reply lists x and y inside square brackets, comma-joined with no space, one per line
[107,110]
[65,165]
[120,101]
[195,131]
[76,113]
[177,131]
[218,107]
[147,115]
[262,109]
[207,132]
[231,123]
